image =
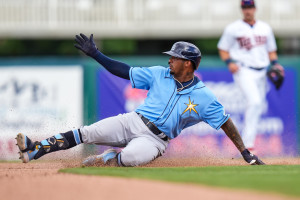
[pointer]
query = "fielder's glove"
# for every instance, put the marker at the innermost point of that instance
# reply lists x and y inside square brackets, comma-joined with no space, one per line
[251,158]
[86,45]
[276,75]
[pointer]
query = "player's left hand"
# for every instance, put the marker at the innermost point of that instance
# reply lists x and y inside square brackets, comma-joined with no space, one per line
[276,75]
[251,158]
[86,45]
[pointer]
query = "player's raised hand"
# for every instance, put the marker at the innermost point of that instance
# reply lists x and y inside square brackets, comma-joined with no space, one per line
[86,45]
[251,158]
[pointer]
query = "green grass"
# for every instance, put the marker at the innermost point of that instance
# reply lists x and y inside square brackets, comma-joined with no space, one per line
[279,179]
[9,161]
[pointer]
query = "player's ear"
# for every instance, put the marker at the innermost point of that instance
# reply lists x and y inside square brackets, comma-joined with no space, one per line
[189,63]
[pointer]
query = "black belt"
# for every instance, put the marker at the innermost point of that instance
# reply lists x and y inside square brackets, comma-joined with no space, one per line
[153,128]
[258,69]
[251,67]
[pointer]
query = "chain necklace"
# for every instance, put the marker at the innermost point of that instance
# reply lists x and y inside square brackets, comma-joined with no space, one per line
[182,87]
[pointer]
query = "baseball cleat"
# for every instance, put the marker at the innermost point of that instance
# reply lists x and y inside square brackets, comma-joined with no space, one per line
[24,143]
[29,155]
[21,141]
[100,160]
[24,157]
[27,148]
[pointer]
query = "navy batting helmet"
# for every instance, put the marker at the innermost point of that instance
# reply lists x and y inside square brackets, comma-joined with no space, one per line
[186,51]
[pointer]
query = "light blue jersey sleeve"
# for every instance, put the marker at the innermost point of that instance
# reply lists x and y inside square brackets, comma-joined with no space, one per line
[214,115]
[140,77]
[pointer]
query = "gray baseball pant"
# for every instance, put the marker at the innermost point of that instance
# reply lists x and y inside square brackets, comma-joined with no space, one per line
[129,131]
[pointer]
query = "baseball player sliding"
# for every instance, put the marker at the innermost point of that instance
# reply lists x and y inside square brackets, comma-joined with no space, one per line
[248,47]
[176,100]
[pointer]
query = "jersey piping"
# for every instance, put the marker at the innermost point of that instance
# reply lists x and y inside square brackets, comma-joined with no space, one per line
[132,77]
[166,106]
[171,111]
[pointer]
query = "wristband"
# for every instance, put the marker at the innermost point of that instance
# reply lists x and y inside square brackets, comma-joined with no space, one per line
[274,62]
[245,152]
[227,61]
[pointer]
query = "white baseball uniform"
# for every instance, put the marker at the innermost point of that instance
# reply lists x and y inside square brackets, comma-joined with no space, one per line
[249,48]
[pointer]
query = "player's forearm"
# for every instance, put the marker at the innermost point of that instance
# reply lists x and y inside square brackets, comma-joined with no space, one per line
[224,55]
[232,132]
[115,67]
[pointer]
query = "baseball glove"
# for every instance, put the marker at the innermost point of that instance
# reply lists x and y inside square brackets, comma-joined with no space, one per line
[276,75]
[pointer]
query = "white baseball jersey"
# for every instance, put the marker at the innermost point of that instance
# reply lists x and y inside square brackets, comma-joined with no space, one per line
[248,45]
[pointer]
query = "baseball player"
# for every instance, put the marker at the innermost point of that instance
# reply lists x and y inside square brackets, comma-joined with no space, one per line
[176,100]
[248,47]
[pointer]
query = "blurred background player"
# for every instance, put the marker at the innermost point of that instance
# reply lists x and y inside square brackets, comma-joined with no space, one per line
[176,100]
[248,47]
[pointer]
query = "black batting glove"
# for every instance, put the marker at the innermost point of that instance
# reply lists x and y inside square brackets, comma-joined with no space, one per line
[251,158]
[86,45]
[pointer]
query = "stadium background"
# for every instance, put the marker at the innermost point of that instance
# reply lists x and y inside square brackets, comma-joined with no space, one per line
[46,86]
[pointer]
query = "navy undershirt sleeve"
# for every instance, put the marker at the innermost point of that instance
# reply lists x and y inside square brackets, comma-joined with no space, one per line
[115,67]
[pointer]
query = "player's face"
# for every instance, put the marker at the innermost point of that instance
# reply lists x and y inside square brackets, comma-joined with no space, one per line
[176,65]
[248,14]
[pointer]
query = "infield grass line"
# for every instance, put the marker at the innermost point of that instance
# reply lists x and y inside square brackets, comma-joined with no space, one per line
[283,179]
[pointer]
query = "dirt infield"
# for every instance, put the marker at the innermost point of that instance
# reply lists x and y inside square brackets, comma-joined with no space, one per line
[41,180]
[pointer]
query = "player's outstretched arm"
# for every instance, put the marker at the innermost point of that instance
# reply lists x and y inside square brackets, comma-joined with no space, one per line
[88,46]
[232,132]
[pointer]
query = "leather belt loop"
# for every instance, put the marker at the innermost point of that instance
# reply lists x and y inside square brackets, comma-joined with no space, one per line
[153,128]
